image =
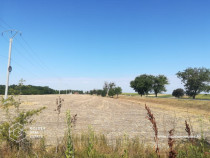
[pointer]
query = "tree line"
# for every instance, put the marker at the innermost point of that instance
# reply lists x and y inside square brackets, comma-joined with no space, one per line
[109,89]
[21,89]
[195,80]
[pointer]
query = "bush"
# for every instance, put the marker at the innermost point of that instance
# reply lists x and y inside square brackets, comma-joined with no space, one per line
[103,94]
[111,92]
[12,131]
[178,93]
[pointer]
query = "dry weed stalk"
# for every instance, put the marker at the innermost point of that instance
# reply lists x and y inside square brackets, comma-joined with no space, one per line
[188,130]
[151,118]
[59,102]
[172,153]
[73,120]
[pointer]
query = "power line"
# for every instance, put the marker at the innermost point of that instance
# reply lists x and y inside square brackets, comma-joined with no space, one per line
[32,50]
[46,68]
[30,54]
[20,66]
[27,59]
[42,64]
[36,55]
[3,27]
[5,23]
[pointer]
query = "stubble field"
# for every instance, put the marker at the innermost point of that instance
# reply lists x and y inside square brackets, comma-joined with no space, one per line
[114,117]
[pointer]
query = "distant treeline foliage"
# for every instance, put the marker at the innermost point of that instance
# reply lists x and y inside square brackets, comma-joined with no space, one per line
[71,91]
[109,89]
[34,90]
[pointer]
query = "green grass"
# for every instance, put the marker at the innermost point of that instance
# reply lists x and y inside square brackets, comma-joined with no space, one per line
[130,94]
[161,95]
[97,147]
[203,96]
[165,96]
[150,95]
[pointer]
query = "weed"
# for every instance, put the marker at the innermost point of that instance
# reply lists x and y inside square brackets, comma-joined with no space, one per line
[172,152]
[151,118]
[70,122]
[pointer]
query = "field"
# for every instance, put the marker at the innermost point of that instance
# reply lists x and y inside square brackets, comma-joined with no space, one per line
[117,117]
[199,96]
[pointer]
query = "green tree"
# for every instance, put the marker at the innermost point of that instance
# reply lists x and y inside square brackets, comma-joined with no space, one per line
[208,89]
[108,86]
[103,94]
[178,93]
[142,84]
[91,92]
[159,83]
[111,92]
[195,80]
[118,90]
[99,92]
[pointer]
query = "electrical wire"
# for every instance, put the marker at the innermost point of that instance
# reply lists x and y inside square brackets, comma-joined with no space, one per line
[41,66]
[28,59]
[30,54]
[31,62]
[41,61]
[5,23]
[3,27]
[20,66]
[36,55]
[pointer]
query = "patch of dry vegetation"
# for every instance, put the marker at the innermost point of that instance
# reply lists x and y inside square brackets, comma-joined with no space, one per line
[176,103]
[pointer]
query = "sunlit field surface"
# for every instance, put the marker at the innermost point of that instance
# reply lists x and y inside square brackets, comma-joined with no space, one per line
[116,117]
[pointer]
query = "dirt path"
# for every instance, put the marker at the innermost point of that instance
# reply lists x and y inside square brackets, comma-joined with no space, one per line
[112,117]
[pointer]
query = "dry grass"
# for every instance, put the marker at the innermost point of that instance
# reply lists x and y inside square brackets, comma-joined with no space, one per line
[202,106]
[93,145]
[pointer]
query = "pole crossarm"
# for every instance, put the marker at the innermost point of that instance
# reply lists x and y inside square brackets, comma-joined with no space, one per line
[13,33]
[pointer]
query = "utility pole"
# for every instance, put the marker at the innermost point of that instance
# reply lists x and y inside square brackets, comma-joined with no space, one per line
[9,68]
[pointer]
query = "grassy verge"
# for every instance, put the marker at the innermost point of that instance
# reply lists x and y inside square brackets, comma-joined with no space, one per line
[90,145]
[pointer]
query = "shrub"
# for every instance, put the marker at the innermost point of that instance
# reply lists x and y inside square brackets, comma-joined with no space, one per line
[111,92]
[178,93]
[103,94]
[12,130]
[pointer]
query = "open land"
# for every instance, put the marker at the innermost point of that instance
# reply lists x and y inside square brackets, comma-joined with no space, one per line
[117,117]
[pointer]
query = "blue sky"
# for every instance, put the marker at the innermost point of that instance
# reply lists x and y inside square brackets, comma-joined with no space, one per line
[80,44]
